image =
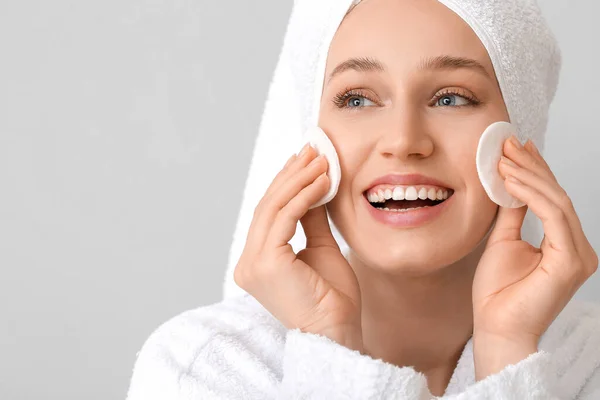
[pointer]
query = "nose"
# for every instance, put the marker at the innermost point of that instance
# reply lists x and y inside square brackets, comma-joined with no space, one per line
[406,137]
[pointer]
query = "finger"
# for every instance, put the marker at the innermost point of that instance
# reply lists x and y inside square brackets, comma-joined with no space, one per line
[554,220]
[288,190]
[508,225]
[281,175]
[583,245]
[256,218]
[554,192]
[289,161]
[292,166]
[284,226]
[525,157]
[532,148]
[543,184]
[306,155]
[316,228]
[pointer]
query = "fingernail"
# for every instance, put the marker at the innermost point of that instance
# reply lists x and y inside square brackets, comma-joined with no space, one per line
[535,149]
[507,161]
[516,142]
[292,158]
[304,150]
[316,159]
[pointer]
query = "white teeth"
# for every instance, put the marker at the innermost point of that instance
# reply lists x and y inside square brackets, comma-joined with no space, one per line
[398,194]
[387,194]
[407,193]
[431,195]
[411,193]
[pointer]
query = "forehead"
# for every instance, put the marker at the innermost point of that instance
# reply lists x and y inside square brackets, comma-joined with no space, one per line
[402,32]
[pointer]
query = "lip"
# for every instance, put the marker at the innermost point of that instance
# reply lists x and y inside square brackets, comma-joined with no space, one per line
[408,219]
[407,179]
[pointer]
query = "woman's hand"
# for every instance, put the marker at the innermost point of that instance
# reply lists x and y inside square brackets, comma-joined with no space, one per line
[518,289]
[315,290]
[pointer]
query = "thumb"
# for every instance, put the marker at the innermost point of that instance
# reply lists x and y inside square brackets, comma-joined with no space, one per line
[316,228]
[508,224]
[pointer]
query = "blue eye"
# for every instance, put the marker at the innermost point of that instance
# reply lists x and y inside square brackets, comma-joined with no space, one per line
[354,102]
[449,97]
[350,100]
[341,100]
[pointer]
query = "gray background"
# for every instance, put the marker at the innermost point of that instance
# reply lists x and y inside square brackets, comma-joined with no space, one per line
[126,129]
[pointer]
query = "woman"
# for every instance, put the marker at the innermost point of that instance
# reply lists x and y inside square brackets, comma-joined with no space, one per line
[444,300]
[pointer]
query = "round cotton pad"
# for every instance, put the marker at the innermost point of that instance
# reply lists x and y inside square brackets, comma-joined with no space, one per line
[321,143]
[489,153]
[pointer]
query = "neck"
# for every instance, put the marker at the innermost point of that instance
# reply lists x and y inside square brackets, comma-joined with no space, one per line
[422,321]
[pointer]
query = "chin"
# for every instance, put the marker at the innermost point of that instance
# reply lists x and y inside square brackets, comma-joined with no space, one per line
[420,250]
[416,256]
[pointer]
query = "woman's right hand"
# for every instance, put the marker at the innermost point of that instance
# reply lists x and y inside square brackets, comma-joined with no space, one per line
[315,290]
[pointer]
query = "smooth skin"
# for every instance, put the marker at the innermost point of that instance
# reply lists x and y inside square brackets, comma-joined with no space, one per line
[415,296]
[517,292]
[315,290]
[520,289]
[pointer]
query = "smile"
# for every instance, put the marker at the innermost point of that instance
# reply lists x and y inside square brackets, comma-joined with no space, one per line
[407,206]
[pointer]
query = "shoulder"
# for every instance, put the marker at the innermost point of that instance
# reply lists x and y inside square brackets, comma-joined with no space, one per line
[233,340]
[573,340]
[233,317]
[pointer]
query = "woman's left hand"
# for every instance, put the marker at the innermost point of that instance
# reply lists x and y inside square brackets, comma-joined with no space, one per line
[518,289]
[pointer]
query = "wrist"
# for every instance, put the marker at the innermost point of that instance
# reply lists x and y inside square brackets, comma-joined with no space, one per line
[350,338]
[491,354]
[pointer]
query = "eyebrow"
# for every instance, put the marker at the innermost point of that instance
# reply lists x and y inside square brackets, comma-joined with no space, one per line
[367,64]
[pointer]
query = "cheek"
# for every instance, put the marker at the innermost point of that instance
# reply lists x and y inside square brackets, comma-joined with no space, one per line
[475,195]
[465,168]
[463,161]
[350,166]
[352,155]
[352,152]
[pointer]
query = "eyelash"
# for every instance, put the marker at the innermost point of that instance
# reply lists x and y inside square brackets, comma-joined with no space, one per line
[341,99]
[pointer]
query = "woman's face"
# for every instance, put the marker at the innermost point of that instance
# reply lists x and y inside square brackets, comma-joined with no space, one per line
[411,118]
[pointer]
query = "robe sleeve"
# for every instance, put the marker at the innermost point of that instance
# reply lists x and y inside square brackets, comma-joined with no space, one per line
[531,378]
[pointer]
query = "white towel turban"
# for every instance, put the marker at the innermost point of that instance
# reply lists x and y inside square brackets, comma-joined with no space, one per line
[524,53]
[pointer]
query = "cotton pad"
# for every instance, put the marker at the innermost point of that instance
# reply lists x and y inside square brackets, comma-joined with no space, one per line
[489,152]
[321,143]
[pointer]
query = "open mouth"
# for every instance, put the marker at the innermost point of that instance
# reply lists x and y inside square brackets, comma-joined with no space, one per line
[403,199]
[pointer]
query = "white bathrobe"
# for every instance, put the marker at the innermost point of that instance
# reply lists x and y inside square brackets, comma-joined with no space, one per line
[236,349]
